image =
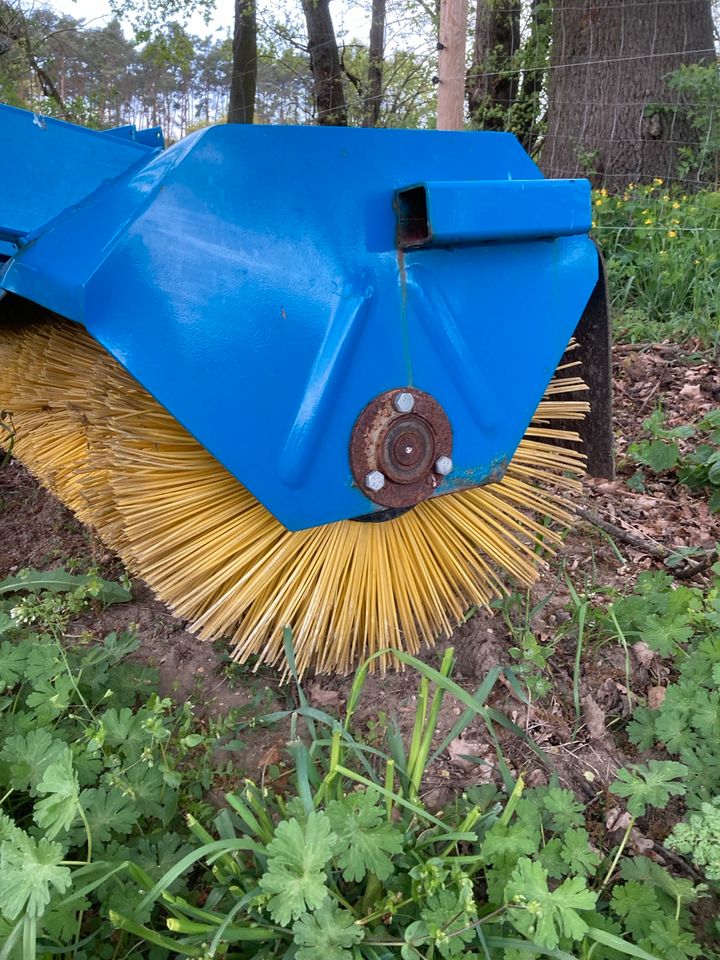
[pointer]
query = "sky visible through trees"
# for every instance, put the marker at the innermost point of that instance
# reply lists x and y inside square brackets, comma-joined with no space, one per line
[614,91]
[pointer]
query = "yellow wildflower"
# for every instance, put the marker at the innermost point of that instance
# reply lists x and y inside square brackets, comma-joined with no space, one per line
[696,262]
[603,192]
[648,222]
[672,234]
[675,221]
[666,197]
[598,202]
[676,206]
[658,181]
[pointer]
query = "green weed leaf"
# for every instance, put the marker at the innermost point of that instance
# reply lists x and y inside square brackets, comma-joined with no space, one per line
[59,809]
[329,933]
[659,455]
[365,838]
[548,915]
[664,635]
[638,907]
[447,921]
[108,812]
[29,756]
[577,853]
[13,658]
[507,842]
[295,876]
[669,941]
[645,871]
[8,828]
[562,809]
[60,581]
[699,838]
[28,869]
[550,857]
[650,785]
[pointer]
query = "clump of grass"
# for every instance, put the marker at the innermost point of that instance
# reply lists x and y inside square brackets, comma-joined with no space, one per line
[661,251]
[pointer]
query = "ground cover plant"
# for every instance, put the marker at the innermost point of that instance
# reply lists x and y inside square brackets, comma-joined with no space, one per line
[697,466]
[96,770]
[660,247]
[681,627]
[337,855]
[346,861]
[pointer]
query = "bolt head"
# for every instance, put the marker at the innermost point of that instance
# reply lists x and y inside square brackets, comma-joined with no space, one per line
[403,402]
[443,466]
[375,480]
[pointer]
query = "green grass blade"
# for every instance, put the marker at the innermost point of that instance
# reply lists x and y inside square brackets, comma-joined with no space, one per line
[617,943]
[218,847]
[509,943]
[395,797]
[152,936]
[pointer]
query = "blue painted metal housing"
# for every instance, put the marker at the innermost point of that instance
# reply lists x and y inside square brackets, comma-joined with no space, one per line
[48,166]
[250,278]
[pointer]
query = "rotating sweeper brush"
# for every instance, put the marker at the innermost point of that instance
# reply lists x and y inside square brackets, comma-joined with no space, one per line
[300,376]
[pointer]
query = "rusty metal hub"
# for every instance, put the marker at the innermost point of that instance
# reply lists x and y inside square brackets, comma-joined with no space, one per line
[395,446]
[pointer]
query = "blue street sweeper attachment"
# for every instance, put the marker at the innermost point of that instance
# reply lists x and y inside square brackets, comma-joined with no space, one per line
[298,376]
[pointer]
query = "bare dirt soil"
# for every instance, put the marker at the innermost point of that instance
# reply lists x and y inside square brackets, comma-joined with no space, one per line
[636,530]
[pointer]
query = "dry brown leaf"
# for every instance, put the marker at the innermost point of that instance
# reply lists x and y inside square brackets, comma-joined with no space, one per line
[594,718]
[537,778]
[645,656]
[321,697]
[458,749]
[691,391]
[656,695]
[617,819]
[641,843]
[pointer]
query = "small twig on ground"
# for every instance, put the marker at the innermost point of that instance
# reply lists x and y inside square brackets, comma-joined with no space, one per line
[627,536]
[654,391]
[680,862]
[700,566]
[649,546]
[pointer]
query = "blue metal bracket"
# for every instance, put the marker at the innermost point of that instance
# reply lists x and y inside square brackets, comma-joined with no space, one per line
[453,212]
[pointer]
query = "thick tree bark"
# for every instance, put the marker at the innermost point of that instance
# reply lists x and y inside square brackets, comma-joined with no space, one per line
[612,115]
[376,56]
[328,89]
[492,85]
[244,72]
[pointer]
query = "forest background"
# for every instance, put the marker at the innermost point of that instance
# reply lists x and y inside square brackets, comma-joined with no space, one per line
[620,92]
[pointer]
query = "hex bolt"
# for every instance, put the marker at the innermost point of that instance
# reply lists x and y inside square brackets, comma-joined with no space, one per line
[403,402]
[375,480]
[443,466]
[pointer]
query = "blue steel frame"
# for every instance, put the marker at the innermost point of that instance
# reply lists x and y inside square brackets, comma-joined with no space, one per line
[249,277]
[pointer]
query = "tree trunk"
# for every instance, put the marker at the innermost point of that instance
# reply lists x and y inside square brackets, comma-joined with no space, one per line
[612,115]
[243,81]
[328,89]
[529,108]
[493,80]
[376,56]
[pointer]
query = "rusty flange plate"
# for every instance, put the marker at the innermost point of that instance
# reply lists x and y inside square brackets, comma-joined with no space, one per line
[401,445]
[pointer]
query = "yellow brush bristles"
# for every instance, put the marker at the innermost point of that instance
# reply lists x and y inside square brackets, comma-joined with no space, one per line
[220,560]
